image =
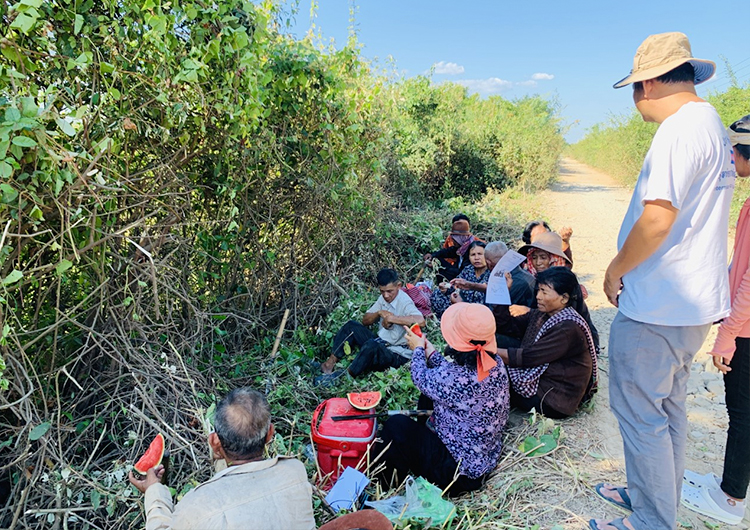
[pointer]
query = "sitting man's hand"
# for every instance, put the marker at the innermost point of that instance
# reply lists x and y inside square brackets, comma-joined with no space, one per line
[427,258]
[153,476]
[387,318]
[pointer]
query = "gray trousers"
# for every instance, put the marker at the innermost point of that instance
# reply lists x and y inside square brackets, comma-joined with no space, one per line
[649,369]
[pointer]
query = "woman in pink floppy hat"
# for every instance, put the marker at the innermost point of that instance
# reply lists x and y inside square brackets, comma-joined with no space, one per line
[460,444]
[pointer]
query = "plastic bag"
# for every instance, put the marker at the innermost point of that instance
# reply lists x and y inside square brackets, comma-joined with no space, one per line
[422,501]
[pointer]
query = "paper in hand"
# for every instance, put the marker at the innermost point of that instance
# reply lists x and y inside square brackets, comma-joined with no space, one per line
[497,287]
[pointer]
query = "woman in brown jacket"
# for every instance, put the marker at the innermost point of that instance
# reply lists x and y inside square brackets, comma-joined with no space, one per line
[554,369]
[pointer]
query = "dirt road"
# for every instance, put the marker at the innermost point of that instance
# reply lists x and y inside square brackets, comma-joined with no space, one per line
[593,204]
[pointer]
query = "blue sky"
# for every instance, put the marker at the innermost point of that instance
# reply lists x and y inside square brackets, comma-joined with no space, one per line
[573,51]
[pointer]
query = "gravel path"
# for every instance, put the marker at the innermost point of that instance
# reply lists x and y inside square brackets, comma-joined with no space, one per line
[593,204]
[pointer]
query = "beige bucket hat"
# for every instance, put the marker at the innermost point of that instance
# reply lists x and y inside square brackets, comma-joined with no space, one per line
[663,52]
[548,241]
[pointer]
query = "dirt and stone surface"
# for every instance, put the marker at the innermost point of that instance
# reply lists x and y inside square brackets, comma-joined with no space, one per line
[593,204]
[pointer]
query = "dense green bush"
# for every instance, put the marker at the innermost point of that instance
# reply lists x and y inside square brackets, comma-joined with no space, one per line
[173,178]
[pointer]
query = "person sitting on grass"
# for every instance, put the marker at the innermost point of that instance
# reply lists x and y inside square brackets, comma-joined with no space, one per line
[554,369]
[534,228]
[252,493]
[470,286]
[452,256]
[460,444]
[392,310]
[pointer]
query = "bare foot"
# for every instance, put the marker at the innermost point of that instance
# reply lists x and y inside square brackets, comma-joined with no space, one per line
[328,366]
[609,491]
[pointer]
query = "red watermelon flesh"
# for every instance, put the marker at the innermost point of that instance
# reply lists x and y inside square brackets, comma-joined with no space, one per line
[152,457]
[364,400]
[415,329]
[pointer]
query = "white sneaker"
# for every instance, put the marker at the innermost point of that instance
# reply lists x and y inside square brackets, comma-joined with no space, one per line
[714,503]
[709,480]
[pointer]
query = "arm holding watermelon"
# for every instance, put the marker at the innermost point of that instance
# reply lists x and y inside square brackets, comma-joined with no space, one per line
[153,476]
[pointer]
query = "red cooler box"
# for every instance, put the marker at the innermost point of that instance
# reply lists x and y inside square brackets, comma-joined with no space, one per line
[341,444]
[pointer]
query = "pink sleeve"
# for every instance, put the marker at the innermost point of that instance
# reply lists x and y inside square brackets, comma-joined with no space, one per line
[738,317]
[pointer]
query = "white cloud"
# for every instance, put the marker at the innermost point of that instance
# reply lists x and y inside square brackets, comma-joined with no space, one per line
[541,76]
[529,83]
[448,68]
[493,85]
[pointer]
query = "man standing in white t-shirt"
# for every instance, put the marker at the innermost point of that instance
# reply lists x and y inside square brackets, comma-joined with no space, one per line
[669,278]
[392,310]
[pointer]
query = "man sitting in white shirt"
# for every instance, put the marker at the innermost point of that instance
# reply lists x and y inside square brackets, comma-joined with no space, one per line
[393,309]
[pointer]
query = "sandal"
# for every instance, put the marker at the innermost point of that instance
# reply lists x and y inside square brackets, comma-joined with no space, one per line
[617,523]
[623,491]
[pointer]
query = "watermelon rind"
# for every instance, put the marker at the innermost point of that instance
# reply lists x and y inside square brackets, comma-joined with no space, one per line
[152,457]
[364,400]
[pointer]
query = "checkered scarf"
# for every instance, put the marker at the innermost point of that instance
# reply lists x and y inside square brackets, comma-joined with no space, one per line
[526,380]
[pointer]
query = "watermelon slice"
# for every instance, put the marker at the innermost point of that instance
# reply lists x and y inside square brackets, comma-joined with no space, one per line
[415,329]
[152,457]
[364,400]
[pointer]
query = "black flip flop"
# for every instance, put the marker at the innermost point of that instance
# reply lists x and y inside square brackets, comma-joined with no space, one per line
[617,523]
[626,504]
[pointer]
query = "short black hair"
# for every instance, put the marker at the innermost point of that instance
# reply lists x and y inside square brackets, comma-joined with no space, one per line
[742,126]
[467,359]
[242,421]
[387,276]
[476,243]
[563,281]
[526,236]
[461,217]
[682,74]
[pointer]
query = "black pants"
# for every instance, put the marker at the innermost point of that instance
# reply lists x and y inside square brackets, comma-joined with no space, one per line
[534,402]
[373,355]
[417,450]
[737,457]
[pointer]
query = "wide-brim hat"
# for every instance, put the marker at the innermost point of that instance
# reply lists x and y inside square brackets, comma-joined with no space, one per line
[548,241]
[463,322]
[663,52]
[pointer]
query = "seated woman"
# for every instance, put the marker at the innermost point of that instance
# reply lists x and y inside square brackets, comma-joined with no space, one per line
[554,369]
[473,275]
[452,255]
[534,228]
[463,437]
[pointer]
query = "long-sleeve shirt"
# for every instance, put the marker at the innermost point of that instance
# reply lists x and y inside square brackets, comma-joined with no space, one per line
[737,324]
[564,382]
[271,494]
[469,415]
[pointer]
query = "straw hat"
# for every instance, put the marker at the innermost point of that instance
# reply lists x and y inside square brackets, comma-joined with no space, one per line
[663,52]
[548,241]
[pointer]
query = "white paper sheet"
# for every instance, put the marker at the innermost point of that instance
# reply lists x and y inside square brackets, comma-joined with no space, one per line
[497,287]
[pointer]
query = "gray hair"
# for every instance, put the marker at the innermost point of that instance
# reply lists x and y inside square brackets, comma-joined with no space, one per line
[242,421]
[496,249]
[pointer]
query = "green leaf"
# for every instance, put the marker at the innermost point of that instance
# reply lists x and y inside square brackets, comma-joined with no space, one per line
[9,192]
[65,127]
[63,266]
[31,3]
[96,499]
[78,24]
[12,114]
[24,23]
[6,170]
[39,431]
[29,108]
[12,278]
[23,141]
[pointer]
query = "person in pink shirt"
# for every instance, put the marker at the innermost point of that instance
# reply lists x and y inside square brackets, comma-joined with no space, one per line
[724,498]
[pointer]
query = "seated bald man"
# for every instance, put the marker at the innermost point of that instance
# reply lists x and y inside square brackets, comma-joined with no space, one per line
[252,493]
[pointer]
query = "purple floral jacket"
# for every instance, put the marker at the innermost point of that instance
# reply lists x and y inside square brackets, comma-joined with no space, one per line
[469,416]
